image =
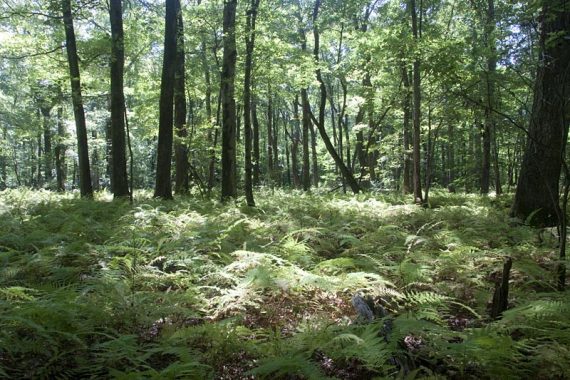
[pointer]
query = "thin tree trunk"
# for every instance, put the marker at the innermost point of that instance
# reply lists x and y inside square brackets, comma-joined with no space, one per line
[270,156]
[182,185]
[417,110]
[229,187]
[250,45]
[306,127]
[314,157]
[321,121]
[4,160]
[256,153]
[85,185]
[450,159]
[406,106]
[276,168]
[295,144]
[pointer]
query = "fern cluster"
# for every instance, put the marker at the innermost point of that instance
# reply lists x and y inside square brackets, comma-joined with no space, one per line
[199,289]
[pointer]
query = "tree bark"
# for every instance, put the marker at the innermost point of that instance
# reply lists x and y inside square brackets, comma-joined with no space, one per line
[250,45]
[295,145]
[406,105]
[270,140]
[4,160]
[314,158]
[163,187]
[182,185]
[119,179]
[538,185]
[48,158]
[229,188]
[256,153]
[417,110]
[85,186]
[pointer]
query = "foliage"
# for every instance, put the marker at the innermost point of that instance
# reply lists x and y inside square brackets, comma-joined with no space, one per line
[187,289]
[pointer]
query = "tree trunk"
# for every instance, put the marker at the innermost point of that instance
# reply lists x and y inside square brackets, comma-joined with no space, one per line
[4,160]
[270,155]
[276,168]
[48,158]
[314,157]
[486,161]
[538,185]
[321,121]
[450,159]
[182,185]
[85,186]
[406,106]
[163,187]
[256,153]
[250,45]
[295,145]
[417,110]
[95,172]
[306,127]
[229,189]
[60,152]
[119,179]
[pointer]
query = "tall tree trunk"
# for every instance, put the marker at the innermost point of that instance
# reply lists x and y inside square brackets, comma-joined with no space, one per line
[250,45]
[347,136]
[4,160]
[314,157]
[256,153]
[450,159]
[182,185]
[229,188]
[39,179]
[306,127]
[295,144]
[119,179]
[287,153]
[60,151]
[85,186]
[538,184]
[163,186]
[276,168]
[95,172]
[417,109]
[270,155]
[490,153]
[406,105]
[321,120]
[48,158]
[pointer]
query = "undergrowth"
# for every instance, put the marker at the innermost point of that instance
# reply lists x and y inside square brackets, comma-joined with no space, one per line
[197,289]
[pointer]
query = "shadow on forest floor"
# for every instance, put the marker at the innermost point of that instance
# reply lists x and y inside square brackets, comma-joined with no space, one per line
[195,287]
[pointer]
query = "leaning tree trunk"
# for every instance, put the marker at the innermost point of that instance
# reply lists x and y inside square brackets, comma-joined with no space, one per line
[321,121]
[85,186]
[229,187]
[537,191]
[163,187]
[119,180]
[181,178]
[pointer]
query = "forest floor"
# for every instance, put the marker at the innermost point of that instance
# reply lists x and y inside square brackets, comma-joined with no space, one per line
[196,289]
